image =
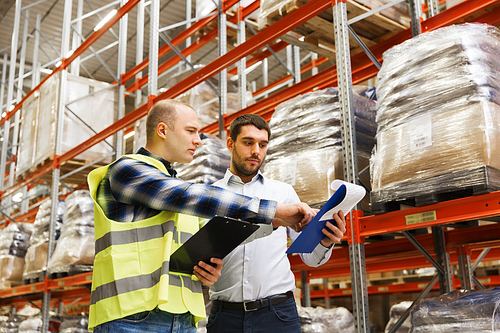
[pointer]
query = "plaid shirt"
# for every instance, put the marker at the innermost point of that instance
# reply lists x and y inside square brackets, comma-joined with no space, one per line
[133,190]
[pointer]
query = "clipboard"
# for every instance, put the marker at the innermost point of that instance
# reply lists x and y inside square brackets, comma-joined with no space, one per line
[346,196]
[216,239]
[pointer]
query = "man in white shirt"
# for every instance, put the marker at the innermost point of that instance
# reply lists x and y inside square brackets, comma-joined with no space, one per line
[255,291]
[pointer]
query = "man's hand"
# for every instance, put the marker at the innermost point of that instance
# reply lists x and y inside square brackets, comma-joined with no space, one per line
[208,274]
[335,234]
[296,215]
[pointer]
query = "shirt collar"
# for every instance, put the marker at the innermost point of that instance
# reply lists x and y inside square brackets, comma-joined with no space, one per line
[167,164]
[230,178]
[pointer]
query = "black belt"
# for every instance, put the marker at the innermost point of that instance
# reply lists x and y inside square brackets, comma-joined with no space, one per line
[254,305]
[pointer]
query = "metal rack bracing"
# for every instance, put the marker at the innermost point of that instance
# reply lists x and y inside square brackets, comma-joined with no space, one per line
[348,70]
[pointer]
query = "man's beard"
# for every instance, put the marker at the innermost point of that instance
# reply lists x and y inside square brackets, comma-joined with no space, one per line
[241,168]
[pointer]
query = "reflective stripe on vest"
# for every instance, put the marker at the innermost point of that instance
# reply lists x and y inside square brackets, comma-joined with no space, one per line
[131,266]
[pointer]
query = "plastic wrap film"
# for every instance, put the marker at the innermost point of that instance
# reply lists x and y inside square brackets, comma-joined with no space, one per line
[14,241]
[11,325]
[27,131]
[307,128]
[90,107]
[36,255]
[209,164]
[75,324]
[397,310]
[31,325]
[321,320]
[458,311]
[438,114]
[75,248]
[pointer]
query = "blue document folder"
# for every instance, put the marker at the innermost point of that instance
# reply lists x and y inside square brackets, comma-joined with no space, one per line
[346,196]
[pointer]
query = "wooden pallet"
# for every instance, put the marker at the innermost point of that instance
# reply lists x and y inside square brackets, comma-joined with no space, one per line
[478,181]
[317,34]
[72,270]
[33,277]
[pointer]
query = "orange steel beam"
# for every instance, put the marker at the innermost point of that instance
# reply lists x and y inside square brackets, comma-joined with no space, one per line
[459,210]
[192,48]
[178,40]
[492,17]
[261,55]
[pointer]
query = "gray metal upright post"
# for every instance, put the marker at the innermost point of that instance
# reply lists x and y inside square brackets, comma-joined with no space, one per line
[314,57]
[153,46]
[122,62]
[443,259]
[242,64]
[306,290]
[223,73]
[415,11]
[465,268]
[35,78]
[75,64]
[348,134]
[296,63]
[56,173]
[10,97]
[433,7]
[188,24]
[265,74]
[19,96]
[2,84]
[138,59]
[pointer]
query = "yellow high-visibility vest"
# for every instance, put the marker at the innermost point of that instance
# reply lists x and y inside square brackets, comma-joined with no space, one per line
[131,265]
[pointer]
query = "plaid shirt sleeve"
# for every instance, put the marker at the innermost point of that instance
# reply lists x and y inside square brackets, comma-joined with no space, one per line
[137,183]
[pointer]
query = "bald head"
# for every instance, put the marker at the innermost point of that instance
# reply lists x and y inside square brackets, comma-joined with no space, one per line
[163,111]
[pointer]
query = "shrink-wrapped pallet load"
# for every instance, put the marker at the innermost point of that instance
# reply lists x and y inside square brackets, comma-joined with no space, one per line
[209,164]
[438,116]
[305,149]
[36,255]
[321,320]
[397,310]
[14,242]
[31,325]
[11,325]
[75,248]
[89,108]
[459,311]
[75,324]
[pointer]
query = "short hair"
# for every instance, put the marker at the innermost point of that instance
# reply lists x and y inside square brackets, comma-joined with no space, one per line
[248,119]
[162,111]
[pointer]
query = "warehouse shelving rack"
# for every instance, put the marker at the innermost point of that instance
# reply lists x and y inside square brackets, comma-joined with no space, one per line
[358,259]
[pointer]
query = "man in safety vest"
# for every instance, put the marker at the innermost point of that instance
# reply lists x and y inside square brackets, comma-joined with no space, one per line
[255,290]
[143,214]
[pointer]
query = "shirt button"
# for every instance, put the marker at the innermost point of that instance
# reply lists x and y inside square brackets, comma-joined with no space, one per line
[247,259]
[246,281]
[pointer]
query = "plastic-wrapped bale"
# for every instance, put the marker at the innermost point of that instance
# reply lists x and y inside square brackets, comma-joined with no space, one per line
[11,325]
[305,149]
[14,242]
[90,103]
[31,325]
[209,164]
[36,255]
[75,324]
[458,311]
[396,312]
[438,116]
[321,320]
[75,248]
[27,133]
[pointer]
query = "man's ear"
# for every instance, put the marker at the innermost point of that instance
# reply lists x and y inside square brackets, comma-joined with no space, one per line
[161,130]
[230,144]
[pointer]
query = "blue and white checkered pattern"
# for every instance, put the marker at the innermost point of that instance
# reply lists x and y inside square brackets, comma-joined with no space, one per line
[133,190]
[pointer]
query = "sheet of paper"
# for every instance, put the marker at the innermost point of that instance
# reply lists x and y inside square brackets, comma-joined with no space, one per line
[346,196]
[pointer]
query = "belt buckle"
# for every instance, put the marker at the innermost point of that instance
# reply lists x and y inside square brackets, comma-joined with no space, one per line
[245,306]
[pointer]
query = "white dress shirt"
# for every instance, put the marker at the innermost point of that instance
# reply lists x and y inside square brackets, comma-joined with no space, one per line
[260,268]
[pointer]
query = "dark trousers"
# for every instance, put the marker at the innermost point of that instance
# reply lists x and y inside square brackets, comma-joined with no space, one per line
[277,318]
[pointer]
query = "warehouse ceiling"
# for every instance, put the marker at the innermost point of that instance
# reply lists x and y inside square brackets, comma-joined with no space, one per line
[100,62]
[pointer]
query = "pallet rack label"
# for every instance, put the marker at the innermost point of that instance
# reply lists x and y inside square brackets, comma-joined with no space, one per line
[421,217]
